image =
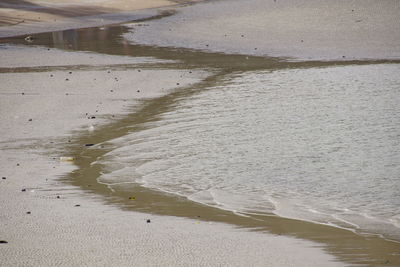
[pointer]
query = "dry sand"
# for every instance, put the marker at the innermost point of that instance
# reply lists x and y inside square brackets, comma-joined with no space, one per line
[40,110]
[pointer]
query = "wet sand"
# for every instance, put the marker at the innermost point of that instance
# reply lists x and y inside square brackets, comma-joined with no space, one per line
[120,237]
[52,98]
[296,30]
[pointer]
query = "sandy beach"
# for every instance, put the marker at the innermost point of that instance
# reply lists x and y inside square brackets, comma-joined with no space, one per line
[54,102]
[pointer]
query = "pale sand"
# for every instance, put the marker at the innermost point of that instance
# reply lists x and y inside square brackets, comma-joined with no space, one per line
[19,17]
[296,29]
[93,234]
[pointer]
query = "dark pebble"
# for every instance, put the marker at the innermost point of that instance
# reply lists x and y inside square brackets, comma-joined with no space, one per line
[92,117]
[111,90]
[17,164]
[70,72]
[77,205]
[139,70]
[148,221]
[23,190]
[22,93]
[51,75]
[89,144]
[3,242]
[28,212]
[58,196]
[3,178]
[30,120]
[108,71]
[177,83]
[138,91]
[67,79]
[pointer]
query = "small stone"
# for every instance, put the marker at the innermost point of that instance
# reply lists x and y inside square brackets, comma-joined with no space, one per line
[108,71]
[17,164]
[70,72]
[51,75]
[58,197]
[30,120]
[139,70]
[138,91]
[23,190]
[67,79]
[177,83]
[3,178]
[148,221]
[132,198]
[22,93]
[3,242]
[111,90]
[89,144]
[28,212]
[77,205]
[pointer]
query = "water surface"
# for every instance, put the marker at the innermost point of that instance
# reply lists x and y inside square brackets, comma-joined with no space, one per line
[318,144]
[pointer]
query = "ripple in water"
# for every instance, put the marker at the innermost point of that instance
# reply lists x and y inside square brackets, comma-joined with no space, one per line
[319,144]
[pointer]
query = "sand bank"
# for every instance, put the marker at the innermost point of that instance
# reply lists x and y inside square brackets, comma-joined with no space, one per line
[47,223]
[300,30]
[27,17]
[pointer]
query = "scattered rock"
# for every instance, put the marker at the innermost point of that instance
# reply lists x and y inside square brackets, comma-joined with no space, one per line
[89,144]
[108,71]
[29,39]
[67,159]
[138,91]
[3,178]
[17,164]
[148,221]
[28,212]
[23,190]
[139,70]
[22,93]
[77,205]
[177,83]
[51,75]
[30,120]
[132,198]
[92,117]
[111,90]
[70,72]
[3,242]
[58,197]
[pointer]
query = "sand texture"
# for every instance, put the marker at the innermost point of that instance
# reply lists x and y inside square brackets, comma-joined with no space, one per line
[48,223]
[299,30]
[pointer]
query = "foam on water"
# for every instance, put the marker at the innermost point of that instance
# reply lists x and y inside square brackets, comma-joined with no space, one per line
[320,145]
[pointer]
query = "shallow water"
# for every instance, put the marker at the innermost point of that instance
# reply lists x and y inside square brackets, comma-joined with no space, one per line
[317,144]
